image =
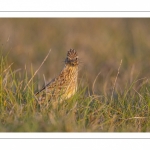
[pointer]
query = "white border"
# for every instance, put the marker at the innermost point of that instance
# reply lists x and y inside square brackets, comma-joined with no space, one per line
[72,5]
[74,141]
[93,144]
[72,135]
[105,9]
[74,14]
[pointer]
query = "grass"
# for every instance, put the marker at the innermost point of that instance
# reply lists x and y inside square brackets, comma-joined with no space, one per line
[125,110]
[113,95]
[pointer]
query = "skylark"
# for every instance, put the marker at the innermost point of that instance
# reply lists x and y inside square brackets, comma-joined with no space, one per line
[65,85]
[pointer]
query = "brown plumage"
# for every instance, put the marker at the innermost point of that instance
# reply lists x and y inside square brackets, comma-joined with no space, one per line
[65,85]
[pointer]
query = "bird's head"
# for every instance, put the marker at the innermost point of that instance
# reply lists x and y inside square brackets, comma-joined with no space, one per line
[72,58]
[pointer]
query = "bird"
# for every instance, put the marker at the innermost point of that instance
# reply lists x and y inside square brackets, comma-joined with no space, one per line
[65,84]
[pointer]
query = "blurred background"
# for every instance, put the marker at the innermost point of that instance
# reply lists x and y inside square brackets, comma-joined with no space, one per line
[101,45]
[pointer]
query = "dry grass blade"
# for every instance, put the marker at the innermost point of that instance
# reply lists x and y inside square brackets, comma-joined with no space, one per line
[138,93]
[95,81]
[37,70]
[8,67]
[116,80]
[134,118]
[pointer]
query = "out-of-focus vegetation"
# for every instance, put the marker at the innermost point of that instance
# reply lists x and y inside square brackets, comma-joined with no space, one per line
[112,96]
